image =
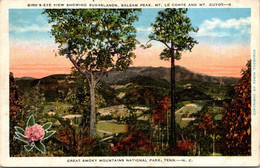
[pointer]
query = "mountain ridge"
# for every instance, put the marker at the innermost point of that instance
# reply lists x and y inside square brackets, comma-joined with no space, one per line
[182,74]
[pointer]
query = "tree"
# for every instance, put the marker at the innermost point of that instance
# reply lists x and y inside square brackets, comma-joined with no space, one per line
[205,123]
[236,119]
[146,95]
[74,142]
[95,40]
[172,28]
[33,102]
[184,146]
[160,112]
[14,115]
[78,96]
[137,142]
[160,118]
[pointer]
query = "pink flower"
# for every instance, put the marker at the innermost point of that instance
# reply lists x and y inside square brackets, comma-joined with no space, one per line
[34,133]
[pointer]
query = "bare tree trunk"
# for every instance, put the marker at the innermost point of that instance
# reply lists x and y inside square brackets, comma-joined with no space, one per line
[159,136]
[152,132]
[195,145]
[162,137]
[92,130]
[213,152]
[167,127]
[173,130]
[199,149]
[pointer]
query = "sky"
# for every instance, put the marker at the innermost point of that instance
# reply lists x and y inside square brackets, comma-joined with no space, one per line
[223,50]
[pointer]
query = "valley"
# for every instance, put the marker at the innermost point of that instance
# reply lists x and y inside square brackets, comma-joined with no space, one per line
[128,99]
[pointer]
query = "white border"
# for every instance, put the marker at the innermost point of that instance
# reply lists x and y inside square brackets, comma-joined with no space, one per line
[5,160]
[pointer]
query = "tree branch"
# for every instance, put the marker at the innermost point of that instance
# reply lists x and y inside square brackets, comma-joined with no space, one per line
[74,62]
[162,42]
[102,69]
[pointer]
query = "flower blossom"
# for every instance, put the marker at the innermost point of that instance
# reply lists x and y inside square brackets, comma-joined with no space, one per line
[34,133]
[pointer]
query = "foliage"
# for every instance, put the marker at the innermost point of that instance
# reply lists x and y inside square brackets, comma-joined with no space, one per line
[202,129]
[136,142]
[237,118]
[79,96]
[15,114]
[206,122]
[184,146]
[95,40]
[107,32]
[160,111]
[172,28]
[146,81]
[51,86]
[34,134]
[143,95]
[33,102]
[106,117]
[74,141]
[130,119]
[190,94]
[108,94]
[14,101]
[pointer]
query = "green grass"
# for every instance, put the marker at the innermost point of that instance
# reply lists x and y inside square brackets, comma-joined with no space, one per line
[111,127]
[216,154]
[61,107]
[218,117]
[143,117]
[186,109]
[184,124]
[118,110]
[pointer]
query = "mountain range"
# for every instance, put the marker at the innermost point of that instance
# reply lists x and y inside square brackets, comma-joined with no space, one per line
[182,74]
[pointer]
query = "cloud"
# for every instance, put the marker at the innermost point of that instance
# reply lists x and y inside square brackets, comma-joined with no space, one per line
[41,19]
[143,29]
[212,34]
[218,28]
[33,27]
[242,23]
[22,21]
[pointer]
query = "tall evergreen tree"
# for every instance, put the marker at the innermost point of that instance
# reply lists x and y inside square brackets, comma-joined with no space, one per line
[172,28]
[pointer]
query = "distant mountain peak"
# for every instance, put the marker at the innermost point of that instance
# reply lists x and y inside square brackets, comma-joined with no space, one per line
[182,74]
[24,78]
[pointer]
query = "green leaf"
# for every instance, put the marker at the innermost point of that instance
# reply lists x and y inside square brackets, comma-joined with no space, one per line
[29,147]
[20,139]
[30,121]
[47,125]
[48,134]
[20,136]
[39,146]
[20,130]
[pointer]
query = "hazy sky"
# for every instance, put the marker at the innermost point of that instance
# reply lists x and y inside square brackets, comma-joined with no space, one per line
[223,49]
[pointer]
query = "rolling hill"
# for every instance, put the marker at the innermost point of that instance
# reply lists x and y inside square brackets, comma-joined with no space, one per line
[145,76]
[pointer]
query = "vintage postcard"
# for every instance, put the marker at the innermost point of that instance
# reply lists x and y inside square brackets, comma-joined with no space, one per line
[120,83]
